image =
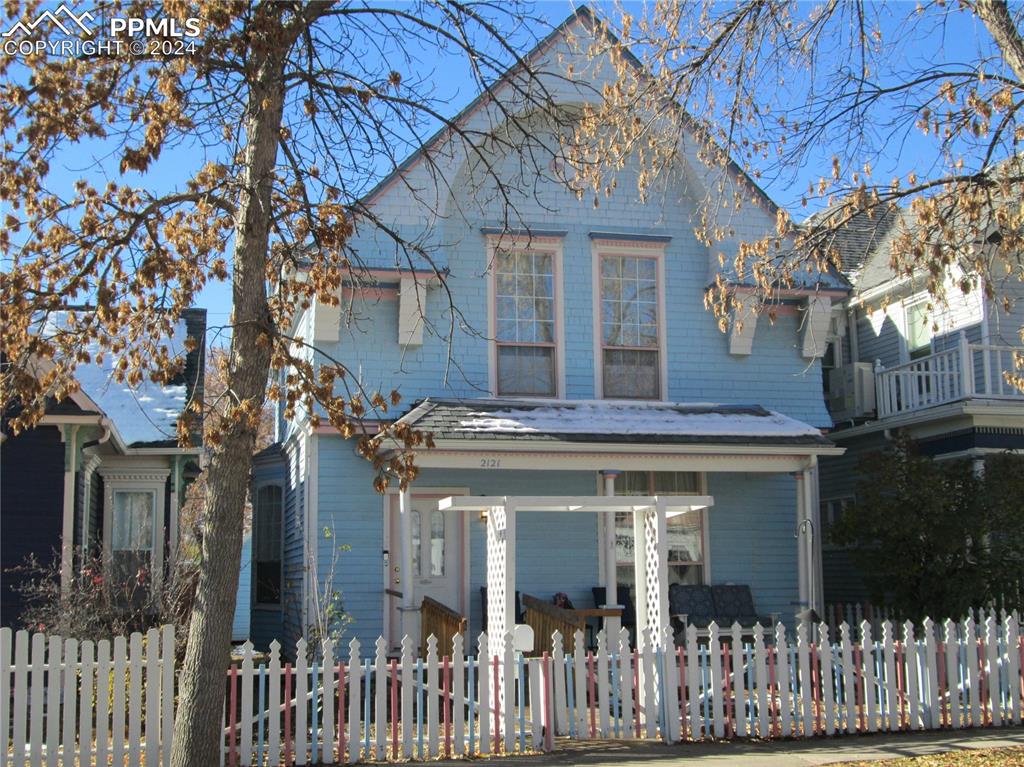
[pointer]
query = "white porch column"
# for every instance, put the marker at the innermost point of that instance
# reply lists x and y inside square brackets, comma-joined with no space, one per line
[67,542]
[407,611]
[501,588]
[650,548]
[611,575]
[806,534]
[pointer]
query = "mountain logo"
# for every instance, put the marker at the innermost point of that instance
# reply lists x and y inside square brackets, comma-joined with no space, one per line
[67,26]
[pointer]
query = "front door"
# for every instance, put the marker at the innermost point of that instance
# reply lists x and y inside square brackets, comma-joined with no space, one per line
[437,559]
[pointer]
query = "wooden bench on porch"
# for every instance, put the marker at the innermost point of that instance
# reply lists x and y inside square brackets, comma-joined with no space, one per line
[442,622]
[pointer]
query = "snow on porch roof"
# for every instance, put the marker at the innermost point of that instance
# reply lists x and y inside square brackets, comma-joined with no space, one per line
[609,421]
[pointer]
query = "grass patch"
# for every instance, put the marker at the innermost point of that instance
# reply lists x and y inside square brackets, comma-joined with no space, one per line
[986,757]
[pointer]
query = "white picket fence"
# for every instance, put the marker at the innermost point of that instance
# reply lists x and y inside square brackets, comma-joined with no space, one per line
[68,702]
[348,708]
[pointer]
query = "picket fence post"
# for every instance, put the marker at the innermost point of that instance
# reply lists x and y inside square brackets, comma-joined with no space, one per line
[932,703]
[992,671]
[829,694]
[579,660]
[483,695]
[1013,668]
[458,682]
[561,712]
[354,709]
[167,660]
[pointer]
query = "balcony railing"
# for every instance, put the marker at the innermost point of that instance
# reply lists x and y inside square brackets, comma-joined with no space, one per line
[965,371]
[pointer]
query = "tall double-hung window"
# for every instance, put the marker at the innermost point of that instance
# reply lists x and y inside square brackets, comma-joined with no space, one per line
[630,343]
[525,338]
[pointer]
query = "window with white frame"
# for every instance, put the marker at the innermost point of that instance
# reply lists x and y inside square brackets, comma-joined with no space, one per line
[526,353]
[132,534]
[268,512]
[630,346]
[685,531]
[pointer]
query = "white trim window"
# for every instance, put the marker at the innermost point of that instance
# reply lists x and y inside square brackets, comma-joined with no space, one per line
[132,534]
[687,542]
[268,514]
[631,354]
[525,325]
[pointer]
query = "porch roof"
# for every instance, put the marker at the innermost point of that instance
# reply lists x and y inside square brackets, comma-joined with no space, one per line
[609,422]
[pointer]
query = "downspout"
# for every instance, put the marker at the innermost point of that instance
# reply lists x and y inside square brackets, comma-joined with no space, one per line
[67,544]
[89,468]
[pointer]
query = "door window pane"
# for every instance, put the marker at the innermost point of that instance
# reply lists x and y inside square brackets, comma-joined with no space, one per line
[437,543]
[417,539]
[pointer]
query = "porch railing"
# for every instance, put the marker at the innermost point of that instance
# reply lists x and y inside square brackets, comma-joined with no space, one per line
[965,371]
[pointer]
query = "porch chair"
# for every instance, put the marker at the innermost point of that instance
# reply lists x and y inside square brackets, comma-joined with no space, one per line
[735,604]
[689,604]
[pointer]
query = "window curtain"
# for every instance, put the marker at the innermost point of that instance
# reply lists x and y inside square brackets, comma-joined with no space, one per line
[133,521]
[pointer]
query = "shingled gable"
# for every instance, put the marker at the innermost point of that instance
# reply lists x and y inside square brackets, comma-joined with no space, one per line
[584,16]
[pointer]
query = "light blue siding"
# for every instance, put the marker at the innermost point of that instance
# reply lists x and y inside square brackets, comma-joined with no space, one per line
[240,623]
[751,535]
[751,529]
[294,550]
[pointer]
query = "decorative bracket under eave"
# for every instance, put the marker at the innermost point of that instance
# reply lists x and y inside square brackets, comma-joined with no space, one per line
[742,327]
[816,320]
[412,296]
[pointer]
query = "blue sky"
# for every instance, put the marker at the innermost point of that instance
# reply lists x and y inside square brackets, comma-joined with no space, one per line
[959,39]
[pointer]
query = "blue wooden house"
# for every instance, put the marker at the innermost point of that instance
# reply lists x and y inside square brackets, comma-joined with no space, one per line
[584,363]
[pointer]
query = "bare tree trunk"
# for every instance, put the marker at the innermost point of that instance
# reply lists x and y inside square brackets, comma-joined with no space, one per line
[1000,24]
[198,721]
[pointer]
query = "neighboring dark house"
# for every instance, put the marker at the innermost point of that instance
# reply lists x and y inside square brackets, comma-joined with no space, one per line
[896,361]
[101,475]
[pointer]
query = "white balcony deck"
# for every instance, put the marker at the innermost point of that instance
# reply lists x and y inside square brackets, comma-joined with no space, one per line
[964,372]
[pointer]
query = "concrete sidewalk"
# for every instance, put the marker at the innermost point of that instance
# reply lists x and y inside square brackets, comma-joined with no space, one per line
[624,753]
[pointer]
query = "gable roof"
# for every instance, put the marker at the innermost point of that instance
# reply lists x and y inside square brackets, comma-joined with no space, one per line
[584,14]
[145,415]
